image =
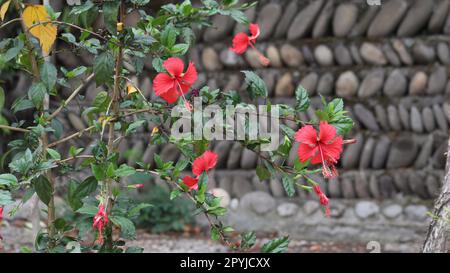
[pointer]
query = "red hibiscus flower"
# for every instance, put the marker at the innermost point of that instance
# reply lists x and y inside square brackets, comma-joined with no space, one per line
[205,162]
[190,182]
[100,222]
[323,199]
[175,83]
[241,42]
[325,148]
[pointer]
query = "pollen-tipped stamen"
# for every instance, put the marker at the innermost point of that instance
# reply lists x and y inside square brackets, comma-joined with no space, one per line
[187,104]
[327,173]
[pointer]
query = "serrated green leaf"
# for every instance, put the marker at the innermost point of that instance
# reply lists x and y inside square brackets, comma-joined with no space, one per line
[8,180]
[248,240]
[255,85]
[288,185]
[124,170]
[104,68]
[134,126]
[277,245]
[302,101]
[54,154]
[88,210]
[127,227]
[262,172]
[110,11]
[36,94]
[169,36]
[48,75]
[43,189]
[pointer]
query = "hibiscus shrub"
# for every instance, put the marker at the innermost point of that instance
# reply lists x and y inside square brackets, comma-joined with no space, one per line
[101,203]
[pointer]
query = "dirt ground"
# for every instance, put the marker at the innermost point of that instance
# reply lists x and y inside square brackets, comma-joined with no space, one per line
[18,235]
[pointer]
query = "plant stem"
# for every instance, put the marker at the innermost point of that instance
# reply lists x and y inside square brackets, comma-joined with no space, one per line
[67,138]
[44,137]
[6,127]
[115,110]
[71,97]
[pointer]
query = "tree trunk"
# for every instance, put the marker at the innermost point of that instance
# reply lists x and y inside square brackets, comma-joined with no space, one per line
[438,231]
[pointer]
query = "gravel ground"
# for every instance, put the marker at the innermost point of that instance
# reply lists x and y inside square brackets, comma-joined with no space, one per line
[18,234]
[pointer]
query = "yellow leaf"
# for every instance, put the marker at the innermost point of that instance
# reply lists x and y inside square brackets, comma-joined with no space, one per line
[4,9]
[46,33]
[155,130]
[131,89]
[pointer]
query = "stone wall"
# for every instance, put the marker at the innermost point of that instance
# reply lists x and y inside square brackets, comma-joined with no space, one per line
[389,63]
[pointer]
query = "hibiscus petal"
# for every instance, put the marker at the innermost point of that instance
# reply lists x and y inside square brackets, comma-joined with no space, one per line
[327,132]
[307,135]
[306,152]
[162,83]
[190,76]
[170,96]
[254,30]
[174,66]
[211,159]
[332,151]
[205,162]
[190,182]
[240,43]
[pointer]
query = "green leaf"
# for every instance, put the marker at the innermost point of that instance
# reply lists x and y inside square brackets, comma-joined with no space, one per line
[300,166]
[285,148]
[180,49]
[8,180]
[104,68]
[215,234]
[99,171]
[126,226]
[334,113]
[11,53]
[134,126]
[202,186]
[54,154]
[277,245]
[124,170]
[248,239]
[5,198]
[85,188]
[88,210]
[110,11]
[255,85]
[58,127]
[76,72]
[302,101]
[22,104]
[49,75]
[135,211]
[23,163]
[36,94]
[157,64]
[169,36]
[43,189]
[174,194]
[288,185]
[262,172]
[101,100]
